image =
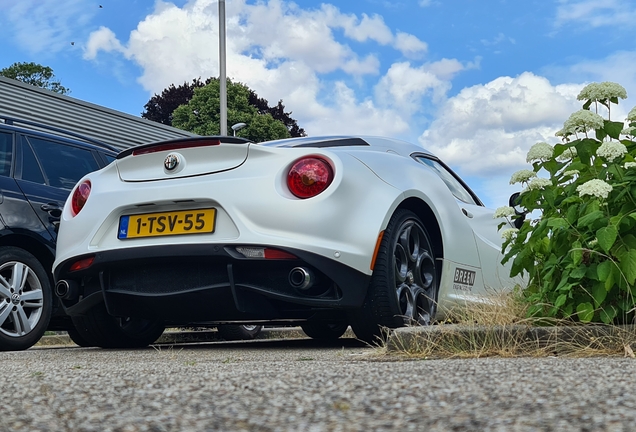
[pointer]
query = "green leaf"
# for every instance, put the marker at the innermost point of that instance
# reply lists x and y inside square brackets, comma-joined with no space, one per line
[590,218]
[558,223]
[577,253]
[579,272]
[560,301]
[605,274]
[628,265]
[607,237]
[585,312]
[598,293]
[613,129]
[607,314]
[586,105]
[600,134]
[572,212]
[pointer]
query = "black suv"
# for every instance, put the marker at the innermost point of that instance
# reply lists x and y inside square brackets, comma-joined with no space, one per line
[37,172]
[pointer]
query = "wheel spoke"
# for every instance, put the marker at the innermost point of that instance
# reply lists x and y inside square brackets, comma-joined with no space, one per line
[401,263]
[19,277]
[5,311]
[33,295]
[21,321]
[5,289]
[405,300]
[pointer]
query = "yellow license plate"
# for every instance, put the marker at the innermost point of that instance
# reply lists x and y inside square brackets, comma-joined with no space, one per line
[167,223]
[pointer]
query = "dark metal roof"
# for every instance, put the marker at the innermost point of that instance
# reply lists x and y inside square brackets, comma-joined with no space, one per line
[112,127]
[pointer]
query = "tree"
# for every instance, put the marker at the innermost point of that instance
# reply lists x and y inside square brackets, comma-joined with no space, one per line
[201,114]
[160,108]
[34,74]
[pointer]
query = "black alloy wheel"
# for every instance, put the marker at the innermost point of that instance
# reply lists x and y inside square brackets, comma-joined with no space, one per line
[323,330]
[98,328]
[403,288]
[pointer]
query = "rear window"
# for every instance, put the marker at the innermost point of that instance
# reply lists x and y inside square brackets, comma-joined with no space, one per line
[63,165]
[6,151]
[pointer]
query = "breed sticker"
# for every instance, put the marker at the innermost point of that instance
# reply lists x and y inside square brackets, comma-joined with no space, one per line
[464,279]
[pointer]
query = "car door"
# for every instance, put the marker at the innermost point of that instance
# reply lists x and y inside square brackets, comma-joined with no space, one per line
[485,228]
[15,211]
[47,172]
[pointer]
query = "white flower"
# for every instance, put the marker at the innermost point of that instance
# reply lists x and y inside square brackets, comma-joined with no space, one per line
[503,212]
[631,116]
[596,187]
[539,183]
[602,91]
[568,154]
[611,150]
[541,151]
[509,234]
[571,173]
[522,176]
[630,131]
[593,242]
[582,121]
[629,165]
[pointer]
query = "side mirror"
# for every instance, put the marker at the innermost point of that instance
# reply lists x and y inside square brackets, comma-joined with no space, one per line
[515,202]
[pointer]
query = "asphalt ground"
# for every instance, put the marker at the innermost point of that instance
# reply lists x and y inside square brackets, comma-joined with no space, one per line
[297,384]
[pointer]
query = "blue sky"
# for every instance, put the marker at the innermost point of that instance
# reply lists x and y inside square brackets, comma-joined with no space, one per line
[476,82]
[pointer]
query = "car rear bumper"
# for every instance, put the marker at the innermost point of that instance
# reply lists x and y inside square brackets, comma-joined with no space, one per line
[207,283]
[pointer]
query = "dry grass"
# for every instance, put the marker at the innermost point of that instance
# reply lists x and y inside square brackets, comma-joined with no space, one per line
[498,327]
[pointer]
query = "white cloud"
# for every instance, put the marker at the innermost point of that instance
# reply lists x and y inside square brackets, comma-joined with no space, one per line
[409,45]
[102,40]
[48,25]
[404,86]
[488,129]
[285,52]
[596,13]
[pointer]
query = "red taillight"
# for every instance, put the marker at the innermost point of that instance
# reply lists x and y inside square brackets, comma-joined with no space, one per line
[309,176]
[82,264]
[80,195]
[170,146]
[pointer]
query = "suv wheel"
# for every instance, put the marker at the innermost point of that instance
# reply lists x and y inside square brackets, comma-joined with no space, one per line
[25,299]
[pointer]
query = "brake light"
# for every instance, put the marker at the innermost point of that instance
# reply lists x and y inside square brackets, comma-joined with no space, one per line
[264,253]
[170,146]
[80,196]
[82,264]
[309,177]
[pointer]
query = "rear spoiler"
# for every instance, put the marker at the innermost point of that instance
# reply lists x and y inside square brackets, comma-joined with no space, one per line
[182,143]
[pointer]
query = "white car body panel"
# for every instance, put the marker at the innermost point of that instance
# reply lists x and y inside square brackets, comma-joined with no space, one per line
[246,183]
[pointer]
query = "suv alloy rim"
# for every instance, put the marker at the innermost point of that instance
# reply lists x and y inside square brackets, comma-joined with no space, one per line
[21,299]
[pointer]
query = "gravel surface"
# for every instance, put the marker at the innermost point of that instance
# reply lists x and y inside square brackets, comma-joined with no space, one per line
[301,386]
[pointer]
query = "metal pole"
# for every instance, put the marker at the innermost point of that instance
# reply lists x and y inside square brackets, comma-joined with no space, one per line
[222,72]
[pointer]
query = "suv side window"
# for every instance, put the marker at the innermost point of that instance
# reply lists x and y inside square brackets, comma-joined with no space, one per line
[63,165]
[6,151]
[457,188]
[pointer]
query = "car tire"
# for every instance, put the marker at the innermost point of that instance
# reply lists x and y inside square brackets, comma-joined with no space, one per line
[324,331]
[404,283]
[77,338]
[25,304]
[100,329]
[231,332]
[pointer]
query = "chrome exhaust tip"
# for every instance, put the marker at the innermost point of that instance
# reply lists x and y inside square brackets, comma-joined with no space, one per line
[66,290]
[301,278]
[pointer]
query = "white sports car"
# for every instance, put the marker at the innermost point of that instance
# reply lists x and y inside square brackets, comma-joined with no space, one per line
[322,232]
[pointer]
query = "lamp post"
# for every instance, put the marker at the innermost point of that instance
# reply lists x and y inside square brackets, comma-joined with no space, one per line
[222,72]
[237,127]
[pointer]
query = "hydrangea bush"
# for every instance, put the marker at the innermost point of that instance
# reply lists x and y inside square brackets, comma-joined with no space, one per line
[580,253]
